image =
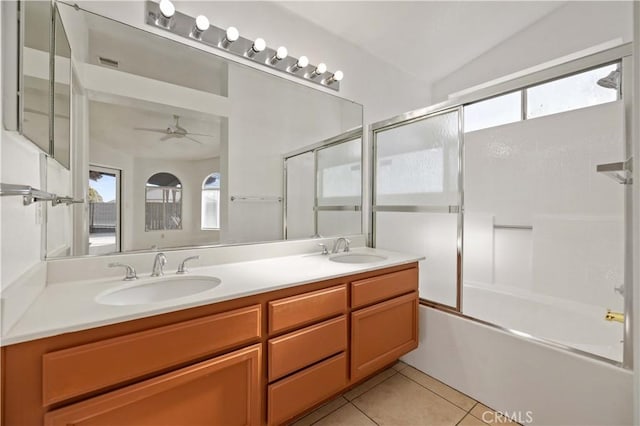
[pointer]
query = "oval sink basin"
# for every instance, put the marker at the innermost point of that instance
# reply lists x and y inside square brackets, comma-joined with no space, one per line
[357,258]
[158,290]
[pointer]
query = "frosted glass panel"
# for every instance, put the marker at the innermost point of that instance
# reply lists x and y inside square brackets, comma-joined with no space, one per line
[332,223]
[543,231]
[300,214]
[432,235]
[417,164]
[340,174]
[493,112]
[577,91]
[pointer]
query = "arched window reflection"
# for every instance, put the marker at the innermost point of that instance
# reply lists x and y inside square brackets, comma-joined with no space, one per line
[163,202]
[210,218]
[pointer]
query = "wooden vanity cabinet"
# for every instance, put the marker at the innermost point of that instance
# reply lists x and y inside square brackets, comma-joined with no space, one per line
[221,391]
[257,360]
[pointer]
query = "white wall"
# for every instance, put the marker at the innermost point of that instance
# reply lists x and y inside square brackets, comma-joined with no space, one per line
[636,206]
[575,26]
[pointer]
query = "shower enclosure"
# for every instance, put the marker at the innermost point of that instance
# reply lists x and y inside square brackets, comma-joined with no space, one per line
[519,196]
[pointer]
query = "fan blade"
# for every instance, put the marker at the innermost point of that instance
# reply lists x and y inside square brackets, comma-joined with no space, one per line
[166,137]
[146,129]
[201,134]
[194,140]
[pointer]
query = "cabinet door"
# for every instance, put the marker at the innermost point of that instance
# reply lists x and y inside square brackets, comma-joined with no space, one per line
[382,333]
[221,391]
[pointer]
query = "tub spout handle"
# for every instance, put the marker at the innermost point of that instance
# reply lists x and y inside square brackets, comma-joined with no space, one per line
[614,316]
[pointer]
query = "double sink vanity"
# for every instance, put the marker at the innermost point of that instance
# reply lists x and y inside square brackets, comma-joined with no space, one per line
[251,342]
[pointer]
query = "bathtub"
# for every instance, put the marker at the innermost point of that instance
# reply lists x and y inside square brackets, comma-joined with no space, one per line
[576,325]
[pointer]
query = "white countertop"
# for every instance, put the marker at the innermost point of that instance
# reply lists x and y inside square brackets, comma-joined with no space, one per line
[67,307]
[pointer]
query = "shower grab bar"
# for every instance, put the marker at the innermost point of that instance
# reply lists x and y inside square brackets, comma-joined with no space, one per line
[31,195]
[620,171]
[528,227]
[254,198]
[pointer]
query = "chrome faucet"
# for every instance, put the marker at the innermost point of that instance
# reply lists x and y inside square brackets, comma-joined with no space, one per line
[181,268]
[336,245]
[131,272]
[158,265]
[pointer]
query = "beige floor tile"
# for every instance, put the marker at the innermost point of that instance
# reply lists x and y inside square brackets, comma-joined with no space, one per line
[399,366]
[489,416]
[347,415]
[400,401]
[448,393]
[469,420]
[320,412]
[369,384]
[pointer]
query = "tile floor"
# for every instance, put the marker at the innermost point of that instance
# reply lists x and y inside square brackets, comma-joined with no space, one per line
[402,395]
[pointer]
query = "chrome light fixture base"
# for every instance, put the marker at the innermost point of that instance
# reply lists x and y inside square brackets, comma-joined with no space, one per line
[183,25]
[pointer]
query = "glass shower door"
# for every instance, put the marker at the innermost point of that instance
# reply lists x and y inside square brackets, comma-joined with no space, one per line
[417,199]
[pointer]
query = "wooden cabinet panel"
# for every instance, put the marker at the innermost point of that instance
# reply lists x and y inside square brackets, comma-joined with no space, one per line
[293,395]
[298,311]
[221,391]
[301,348]
[376,289]
[382,333]
[81,369]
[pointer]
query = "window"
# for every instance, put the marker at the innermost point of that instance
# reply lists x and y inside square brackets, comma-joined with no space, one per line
[588,88]
[493,112]
[163,203]
[210,218]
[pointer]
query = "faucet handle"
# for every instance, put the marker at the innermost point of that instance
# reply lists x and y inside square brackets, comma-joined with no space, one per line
[346,244]
[181,268]
[325,250]
[131,272]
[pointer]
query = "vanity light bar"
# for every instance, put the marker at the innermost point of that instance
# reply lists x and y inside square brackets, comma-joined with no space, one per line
[163,15]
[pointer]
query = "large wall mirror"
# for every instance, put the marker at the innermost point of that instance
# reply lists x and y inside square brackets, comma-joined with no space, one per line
[172,146]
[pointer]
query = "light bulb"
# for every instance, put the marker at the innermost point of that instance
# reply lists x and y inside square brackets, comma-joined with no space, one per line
[319,70]
[202,23]
[302,62]
[337,76]
[281,53]
[258,46]
[167,8]
[232,34]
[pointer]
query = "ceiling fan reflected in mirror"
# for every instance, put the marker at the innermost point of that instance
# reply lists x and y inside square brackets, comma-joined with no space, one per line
[175,131]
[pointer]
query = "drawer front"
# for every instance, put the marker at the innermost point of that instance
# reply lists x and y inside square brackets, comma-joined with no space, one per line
[376,289]
[382,333]
[304,309]
[220,391]
[293,395]
[81,369]
[302,348]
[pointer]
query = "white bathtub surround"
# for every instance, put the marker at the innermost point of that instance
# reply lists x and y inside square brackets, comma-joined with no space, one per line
[70,306]
[574,324]
[515,375]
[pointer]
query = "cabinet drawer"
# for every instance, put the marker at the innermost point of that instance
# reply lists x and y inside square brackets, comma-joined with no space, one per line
[293,395]
[301,348]
[81,369]
[382,333]
[298,311]
[220,391]
[376,289]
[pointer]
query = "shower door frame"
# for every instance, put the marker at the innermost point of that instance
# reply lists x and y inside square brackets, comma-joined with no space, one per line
[348,136]
[623,55]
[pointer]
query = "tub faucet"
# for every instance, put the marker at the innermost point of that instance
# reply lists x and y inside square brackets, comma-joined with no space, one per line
[336,245]
[158,265]
[614,316]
